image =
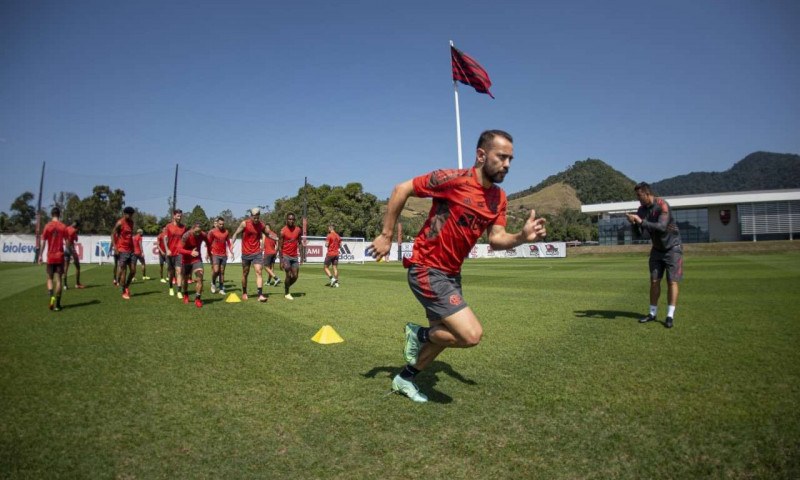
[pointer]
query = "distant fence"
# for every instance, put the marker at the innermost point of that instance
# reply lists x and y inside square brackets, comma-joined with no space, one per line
[96,248]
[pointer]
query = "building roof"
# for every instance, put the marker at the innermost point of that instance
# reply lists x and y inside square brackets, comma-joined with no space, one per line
[703,200]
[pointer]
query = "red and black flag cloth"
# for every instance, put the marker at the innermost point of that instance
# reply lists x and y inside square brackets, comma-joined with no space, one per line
[469,72]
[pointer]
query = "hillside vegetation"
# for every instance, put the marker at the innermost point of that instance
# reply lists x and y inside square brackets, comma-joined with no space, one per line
[757,171]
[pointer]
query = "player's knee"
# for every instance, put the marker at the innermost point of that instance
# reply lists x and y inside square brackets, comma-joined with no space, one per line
[473,338]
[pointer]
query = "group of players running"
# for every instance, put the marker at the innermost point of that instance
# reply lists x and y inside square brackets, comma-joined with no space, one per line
[179,247]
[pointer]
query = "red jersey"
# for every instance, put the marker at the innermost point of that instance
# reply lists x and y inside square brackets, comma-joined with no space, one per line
[72,234]
[291,241]
[124,236]
[270,244]
[160,242]
[251,237]
[334,241]
[219,241]
[137,244]
[55,234]
[190,242]
[462,210]
[173,234]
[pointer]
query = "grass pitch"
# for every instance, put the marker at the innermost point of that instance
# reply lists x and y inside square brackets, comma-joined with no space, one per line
[565,384]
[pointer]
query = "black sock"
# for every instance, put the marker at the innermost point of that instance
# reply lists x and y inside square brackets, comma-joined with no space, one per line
[58,301]
[408,372]
[422,334]
[260,290]
[197,296]
[51,292]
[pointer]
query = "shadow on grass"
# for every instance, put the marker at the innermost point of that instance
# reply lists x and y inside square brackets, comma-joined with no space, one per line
[426,380]
[82,304]
[607,314]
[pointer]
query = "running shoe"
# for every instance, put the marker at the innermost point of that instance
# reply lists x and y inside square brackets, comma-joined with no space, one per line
[277,281]
[407,388]
[413,345]
[262,298]
[57,308]
[198,303]
[186,299]
[79,285]
[648,318]
[213,288]
[244,296]
[336,285]
[171,292]
[288,296]
[163,280]
[126,294]
[145,278]
[668,322]
[180,295]
[222,291]
[52,303]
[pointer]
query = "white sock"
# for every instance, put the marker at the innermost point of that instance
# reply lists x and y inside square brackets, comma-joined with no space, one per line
[653,310]
[671,311]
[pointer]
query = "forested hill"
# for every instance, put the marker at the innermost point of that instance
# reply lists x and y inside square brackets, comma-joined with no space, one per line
[757,171]
[594,181]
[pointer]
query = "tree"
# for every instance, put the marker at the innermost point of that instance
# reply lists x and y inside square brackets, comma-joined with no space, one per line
[100,211]
[197,215]
[22,214]
[354,212]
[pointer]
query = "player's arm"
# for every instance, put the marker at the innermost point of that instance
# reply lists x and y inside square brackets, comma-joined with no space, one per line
[534,229]
[230,246]
[114,234]
[661,224]
[380,247]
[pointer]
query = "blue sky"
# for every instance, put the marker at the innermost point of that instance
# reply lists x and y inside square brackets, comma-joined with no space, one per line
[251,97]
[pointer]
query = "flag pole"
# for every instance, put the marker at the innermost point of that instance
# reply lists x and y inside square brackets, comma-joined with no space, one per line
[458,119]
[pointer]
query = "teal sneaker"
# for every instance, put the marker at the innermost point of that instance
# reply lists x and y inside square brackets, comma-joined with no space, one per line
[413,345]
[407,388]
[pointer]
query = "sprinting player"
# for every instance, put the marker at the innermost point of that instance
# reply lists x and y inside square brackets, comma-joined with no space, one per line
[126,266]
[466,203]
[270,252]
[288,245]
[252,231]
[162,253]
[71,256]
[172,240]
[333,241]
[192,262]
[666,255]
[138,254]
[220,242]
[54,237]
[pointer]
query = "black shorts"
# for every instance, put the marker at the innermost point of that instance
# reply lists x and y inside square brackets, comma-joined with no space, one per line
[438,292]
[289,263]
[189,268]
[269,259]
[174,261]
[256,258]
[162,259]
[670,261]
[55,268]
[126,258]
[332,260]
[139,258]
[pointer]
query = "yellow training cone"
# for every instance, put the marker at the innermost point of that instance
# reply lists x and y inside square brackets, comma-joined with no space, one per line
[233,298]
[327,335]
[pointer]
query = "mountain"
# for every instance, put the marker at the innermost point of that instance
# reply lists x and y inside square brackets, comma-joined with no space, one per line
[594,181]
[757,171]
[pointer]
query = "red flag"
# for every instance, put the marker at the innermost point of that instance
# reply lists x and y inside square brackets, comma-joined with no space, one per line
[469,72]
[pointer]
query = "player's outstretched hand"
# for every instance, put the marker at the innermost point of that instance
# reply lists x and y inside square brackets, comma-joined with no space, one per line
[379,247]
[534,228]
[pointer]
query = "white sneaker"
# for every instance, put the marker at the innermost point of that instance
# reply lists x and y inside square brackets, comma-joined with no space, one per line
[407,388]
[288,296]
[213,288]
[222,291]
[277,281]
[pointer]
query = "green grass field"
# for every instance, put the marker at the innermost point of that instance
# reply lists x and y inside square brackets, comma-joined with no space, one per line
[566,383]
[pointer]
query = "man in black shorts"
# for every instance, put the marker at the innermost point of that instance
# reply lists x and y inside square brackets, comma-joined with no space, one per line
[654,217]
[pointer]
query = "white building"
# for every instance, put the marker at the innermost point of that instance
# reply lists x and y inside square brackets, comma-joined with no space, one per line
[715,217]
